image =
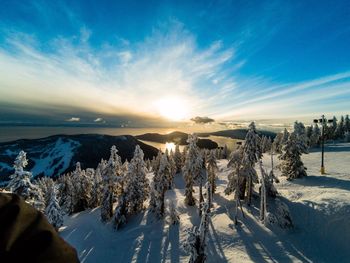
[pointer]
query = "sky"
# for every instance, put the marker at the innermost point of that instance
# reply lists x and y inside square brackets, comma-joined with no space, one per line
[149,63]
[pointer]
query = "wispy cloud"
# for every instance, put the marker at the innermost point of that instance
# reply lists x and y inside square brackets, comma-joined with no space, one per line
[112,80]
[73,119]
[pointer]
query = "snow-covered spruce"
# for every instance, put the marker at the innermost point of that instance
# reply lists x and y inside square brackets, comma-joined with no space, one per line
[292,167]
[196,242]
[192,168]
[159,186]
[212,168]
[178,159]
[236,179]
[136,182]
[53,210]
[173,214]
[251,155]
[112,178]
[20,183]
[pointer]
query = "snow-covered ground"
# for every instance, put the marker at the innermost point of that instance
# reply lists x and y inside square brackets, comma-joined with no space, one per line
[319,204]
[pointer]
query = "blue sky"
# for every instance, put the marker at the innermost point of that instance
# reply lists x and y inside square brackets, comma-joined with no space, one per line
[116,61]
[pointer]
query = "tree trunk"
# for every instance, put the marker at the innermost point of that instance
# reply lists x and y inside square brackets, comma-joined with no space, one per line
[201,199]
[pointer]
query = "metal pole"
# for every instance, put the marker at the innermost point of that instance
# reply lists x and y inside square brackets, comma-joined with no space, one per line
[322,158]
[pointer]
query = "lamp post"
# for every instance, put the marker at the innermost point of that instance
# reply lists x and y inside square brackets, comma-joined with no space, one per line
[323,123]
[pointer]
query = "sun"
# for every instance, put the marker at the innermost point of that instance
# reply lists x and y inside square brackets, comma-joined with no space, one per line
[172,108]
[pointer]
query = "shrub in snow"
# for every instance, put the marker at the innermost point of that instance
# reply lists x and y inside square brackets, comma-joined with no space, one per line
[270,219]
[283,216]
[192,168]
[53,210]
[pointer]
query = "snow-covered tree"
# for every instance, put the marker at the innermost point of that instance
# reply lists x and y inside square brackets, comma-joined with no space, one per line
[20,183]
[225,152]
[97,188]
[66,193]
[263,195]
[178,159]
[277,143]
[340,131]
[172,167]
[156,161]
[347,124]
[112,178]
[301,138]
[192,168]
[136,185]
[236,179]
[120,213]
[315,136]
[196,241]
[212,168]
[291,165]
[251,155]
[53,210]
[159,187]
[173,214]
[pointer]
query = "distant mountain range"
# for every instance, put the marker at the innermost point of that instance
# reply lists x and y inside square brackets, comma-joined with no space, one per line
[177,138]
[55,155]
[181,137]
[238,134]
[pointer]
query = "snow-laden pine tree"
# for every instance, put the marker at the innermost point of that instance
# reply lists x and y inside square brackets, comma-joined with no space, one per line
[53,210]
[196,241]
[66,193]
[112,180]
[236,179]
[97,188]
[251,155]
[347,124]
[159,186]
[178,159]
[292,167]
[173,214]
[315,136]
[225,152]
[20,183]
[212,168]
[172,167]
[301,137]
[192,168]
[263,195]
[277,143]
[340,131]
[156,161]
[136,185]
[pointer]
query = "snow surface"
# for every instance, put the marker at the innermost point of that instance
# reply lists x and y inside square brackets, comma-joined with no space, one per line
[319,204]
[61,152]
